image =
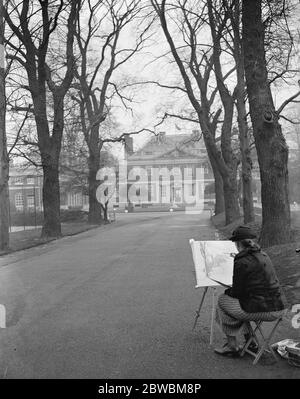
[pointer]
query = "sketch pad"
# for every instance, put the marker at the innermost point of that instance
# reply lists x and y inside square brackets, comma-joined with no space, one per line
[213,261]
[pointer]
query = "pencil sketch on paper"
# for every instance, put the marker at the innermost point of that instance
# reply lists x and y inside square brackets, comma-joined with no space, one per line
[218,260]
[213,261]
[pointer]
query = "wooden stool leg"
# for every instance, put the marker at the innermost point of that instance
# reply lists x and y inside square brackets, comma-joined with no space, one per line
[265,345]
[251,339]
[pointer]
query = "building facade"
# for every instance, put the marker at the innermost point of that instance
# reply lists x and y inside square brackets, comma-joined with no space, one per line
[169,170]
[25,189]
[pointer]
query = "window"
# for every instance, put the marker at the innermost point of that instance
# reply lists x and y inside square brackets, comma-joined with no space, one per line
[19,202]
[30,180]
[189,172]
[18,180]
[30,201]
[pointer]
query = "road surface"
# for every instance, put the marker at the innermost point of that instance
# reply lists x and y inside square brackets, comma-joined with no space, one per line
[115,302]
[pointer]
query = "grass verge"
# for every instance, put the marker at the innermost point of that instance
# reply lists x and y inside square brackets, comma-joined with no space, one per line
[31,238]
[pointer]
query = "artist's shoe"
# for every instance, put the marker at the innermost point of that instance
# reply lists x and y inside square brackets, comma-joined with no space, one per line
[228,351]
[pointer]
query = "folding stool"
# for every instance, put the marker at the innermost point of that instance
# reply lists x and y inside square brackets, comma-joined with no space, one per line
[265,345]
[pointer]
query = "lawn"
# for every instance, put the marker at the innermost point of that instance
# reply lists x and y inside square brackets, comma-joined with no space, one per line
[30,238]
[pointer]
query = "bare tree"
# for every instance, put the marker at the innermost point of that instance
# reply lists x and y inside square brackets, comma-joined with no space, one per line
[270,143]
[4,167]
[232,46]
[33,26]
[244,131]
[102,26]
[107,160]
[195,70]
[217,22]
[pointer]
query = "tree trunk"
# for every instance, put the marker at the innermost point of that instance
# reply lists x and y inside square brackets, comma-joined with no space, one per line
[203,108]
[105,211]
[95,215]
[248,208]
[226,187]
[4,173]
[4,206]
[51,199]
[229,176]
[225,174]
[4,166]
[229,173]
[270,143]
[247,196]
[231,197]
[50,151]
[219,193]
[32,53]
[204,121]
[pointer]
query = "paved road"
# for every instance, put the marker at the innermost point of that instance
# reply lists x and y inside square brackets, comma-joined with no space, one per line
[115,302]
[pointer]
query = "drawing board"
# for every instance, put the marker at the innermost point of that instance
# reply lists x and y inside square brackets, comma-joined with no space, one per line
[213,260]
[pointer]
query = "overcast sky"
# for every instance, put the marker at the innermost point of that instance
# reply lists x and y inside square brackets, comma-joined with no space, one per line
[150,101]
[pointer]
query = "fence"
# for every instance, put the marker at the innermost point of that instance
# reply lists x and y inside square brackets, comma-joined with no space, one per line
[25,208]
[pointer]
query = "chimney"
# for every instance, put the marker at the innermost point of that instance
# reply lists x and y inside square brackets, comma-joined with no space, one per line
[128,142]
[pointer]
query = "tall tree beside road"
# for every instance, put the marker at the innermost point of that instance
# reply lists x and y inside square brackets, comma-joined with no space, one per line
[227,98]
[272,150]
[4,167]
[244,131]
[36,29]
[196,62]
[101,30]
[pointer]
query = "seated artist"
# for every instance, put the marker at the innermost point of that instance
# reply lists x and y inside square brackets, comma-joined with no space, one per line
[255,293]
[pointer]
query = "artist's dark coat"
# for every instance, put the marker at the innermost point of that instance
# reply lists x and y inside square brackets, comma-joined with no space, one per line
[255,283]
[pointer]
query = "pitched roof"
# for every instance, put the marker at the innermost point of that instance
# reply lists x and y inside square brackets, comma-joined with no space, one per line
[164,145]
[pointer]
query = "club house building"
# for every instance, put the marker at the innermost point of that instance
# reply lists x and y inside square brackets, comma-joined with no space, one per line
[169,171]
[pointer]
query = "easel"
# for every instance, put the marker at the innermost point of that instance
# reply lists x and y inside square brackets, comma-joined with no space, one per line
[203,281]
[213,309]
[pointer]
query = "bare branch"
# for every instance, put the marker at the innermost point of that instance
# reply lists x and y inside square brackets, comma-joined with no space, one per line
[286,102]
[25,156]
[182,117]
[18,133]
[290,120]
[165,86]
[27,109]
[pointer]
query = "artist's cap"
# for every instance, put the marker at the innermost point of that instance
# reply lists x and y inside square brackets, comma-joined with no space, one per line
[242,233]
